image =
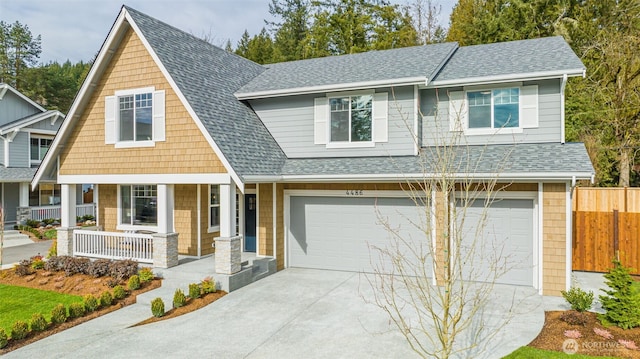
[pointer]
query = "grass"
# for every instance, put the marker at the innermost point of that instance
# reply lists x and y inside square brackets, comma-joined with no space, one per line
[533,353]
[20,303]
[51,233]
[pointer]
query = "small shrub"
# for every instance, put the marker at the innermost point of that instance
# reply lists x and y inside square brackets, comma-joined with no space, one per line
[123,269]
[111,282]
[4,340]
[37,262]
[99,268]
[32,223]
[76,265]
[59,314]
[573,334]
[19,330]
[179,298]
[55,263]
[106,299]
[119,292]
[157,307]
[76,310]
[145,274]
[87,217]
[53,250]
[49,221]
[194,291]
[603,333]
[208,285]
[622,302]
[574,317]
[134,282]
[578,299]
[38,323]
[23,268]
[51,233]
[90,302]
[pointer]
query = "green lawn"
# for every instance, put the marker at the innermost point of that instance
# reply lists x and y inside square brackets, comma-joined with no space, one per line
[19,303]
[533,353]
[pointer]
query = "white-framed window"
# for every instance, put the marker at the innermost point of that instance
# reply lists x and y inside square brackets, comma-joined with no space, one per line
[351,119]
[135,118]
[45,194]
[494,110]
[38,148]
[214,208]
[138,205]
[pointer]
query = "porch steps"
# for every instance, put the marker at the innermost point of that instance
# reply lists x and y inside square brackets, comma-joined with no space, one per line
[173,279]
[14,238]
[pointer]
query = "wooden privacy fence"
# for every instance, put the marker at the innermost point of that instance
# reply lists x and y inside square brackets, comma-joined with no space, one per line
[606,225]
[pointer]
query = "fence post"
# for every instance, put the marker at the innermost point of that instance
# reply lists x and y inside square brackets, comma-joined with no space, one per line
[616,245]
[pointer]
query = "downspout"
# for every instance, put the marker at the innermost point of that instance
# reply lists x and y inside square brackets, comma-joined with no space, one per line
[563,85]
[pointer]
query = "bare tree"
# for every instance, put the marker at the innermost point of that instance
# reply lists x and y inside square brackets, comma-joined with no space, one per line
[425,17]
[436,288]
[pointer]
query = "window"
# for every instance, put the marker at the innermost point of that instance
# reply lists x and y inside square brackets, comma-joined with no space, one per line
[351,118]
[135,117]
[494,108]
[45,194]
[139,205]
[39,147]
[214,206]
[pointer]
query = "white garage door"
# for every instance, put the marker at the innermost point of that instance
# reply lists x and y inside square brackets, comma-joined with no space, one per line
[337,232]
[503,245]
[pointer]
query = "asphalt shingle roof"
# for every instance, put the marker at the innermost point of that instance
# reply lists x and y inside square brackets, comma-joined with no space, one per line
[208,76]
[16,174]
[500,159]
[408,62]
[513,57]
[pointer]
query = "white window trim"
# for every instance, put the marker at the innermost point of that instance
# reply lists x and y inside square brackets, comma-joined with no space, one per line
[492,130]
[38,136]
[212,229]
[350,144]
[134,143]
[131,227]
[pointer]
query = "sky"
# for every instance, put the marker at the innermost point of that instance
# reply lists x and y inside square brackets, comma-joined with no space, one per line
[75,29]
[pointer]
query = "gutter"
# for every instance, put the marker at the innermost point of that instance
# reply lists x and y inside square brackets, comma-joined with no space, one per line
[531,176]
[563,85]
[507,78]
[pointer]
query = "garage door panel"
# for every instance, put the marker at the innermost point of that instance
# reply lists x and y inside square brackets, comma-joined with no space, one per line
[338,232]
[504,244]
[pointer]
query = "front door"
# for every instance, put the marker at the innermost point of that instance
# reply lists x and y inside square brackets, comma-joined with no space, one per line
[250,206]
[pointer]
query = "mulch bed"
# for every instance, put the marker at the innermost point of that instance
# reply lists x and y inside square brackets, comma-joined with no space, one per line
[190,306]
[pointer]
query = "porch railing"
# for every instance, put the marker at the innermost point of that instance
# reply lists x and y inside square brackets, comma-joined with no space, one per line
[113,245]
[39,213]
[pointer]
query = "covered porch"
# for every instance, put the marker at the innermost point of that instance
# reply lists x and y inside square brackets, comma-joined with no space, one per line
[155,223]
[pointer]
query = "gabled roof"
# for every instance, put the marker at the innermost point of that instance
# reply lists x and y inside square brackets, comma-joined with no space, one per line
[408,66]
[208,76]
[5,87]
[26,121]
[204,77]
[535,58]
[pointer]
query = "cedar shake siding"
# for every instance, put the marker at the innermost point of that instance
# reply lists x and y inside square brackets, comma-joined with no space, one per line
[185,150]
[554,216]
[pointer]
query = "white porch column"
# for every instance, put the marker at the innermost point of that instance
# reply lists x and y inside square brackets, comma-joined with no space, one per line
[165,208]
[24,194]
[227,210]
[68,205]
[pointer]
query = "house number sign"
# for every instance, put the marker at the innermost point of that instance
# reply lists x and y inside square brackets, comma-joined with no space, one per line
[355,192]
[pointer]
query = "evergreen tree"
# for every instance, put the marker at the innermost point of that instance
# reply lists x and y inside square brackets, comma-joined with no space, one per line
[19,50]
[292,29]
[622,301]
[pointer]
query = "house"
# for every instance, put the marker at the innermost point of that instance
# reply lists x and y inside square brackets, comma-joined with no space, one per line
[188,143]
[26,132]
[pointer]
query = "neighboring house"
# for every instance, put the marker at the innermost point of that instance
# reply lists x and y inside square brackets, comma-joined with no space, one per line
[26,132]
[190,142]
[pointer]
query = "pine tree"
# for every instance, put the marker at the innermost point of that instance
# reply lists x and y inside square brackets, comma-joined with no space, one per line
[622,301]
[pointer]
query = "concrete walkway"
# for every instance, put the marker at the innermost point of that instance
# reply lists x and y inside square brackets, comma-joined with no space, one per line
[14,254]
[295,313]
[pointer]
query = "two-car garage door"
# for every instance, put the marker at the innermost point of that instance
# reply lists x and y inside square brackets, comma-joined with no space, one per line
[338,233]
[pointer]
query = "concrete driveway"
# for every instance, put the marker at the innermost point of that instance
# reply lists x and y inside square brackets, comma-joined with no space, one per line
[296,313]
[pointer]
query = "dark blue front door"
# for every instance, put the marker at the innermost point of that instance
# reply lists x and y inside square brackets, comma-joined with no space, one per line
[250,207]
